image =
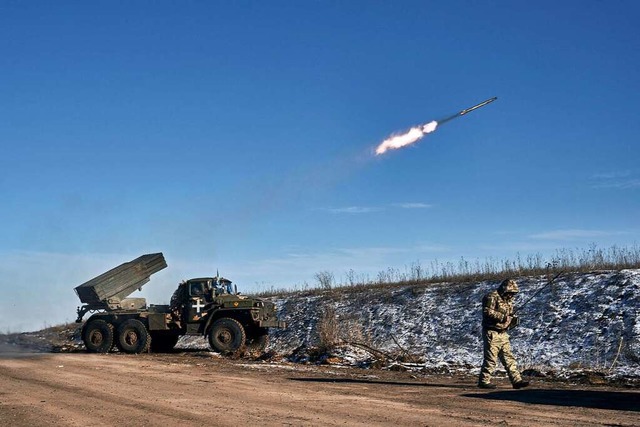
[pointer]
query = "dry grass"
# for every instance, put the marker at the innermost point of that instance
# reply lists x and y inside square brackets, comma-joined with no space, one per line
[462,271]
[328,331]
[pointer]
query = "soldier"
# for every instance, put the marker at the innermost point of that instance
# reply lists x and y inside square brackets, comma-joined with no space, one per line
[223,286]
[497,316]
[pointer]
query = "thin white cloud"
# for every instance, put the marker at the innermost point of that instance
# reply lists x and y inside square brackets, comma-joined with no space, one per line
[574,234]
[412,205]
[612,175]
[622,184]
[354,210]
[370,209]
[622,180]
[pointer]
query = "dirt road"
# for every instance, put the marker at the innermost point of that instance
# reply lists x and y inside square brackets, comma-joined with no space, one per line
[198,388]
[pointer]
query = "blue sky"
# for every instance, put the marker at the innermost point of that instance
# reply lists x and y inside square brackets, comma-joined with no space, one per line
[239,136]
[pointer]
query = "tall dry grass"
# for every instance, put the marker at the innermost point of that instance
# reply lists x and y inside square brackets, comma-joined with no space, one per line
[567,260]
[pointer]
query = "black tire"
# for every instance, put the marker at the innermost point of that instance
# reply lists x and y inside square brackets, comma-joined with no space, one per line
[133,337]
[163,343]
[97,336]
[227,336]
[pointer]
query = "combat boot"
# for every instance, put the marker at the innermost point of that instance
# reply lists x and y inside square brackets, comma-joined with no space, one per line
[520,384]
[487,386]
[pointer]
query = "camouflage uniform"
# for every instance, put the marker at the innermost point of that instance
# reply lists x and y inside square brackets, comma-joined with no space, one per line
[497,310]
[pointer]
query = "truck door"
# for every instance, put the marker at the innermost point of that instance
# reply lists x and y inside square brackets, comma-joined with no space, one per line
[197,301]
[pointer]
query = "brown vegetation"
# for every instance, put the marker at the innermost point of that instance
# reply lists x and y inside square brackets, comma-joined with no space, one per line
[567,260]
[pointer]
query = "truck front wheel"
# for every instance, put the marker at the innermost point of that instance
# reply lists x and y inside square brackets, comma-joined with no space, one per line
[98,336]
[226,335]
[133,337]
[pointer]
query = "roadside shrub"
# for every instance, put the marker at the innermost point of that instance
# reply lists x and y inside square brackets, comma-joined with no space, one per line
[328,329]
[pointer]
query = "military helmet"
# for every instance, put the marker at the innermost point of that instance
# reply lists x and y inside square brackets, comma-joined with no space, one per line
[508,286]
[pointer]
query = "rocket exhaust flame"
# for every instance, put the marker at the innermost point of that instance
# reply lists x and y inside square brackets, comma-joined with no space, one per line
[417,132]
[409,137]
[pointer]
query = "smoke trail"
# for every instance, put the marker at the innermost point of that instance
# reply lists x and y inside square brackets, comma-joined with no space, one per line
[409,137]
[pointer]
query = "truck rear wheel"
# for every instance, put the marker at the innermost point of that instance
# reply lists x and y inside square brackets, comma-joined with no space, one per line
[226,335]
[133,337]
[98,336]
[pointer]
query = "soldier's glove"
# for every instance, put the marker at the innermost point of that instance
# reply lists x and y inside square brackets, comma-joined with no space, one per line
[515,321]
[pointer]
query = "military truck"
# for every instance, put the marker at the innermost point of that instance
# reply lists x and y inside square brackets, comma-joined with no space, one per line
[207,306]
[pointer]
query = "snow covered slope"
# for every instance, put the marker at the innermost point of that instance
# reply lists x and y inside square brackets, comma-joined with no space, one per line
[577,322]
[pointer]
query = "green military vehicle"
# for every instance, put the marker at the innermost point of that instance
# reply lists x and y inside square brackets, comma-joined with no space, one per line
[207,306]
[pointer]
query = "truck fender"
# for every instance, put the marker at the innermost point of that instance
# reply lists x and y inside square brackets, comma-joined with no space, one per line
[217,314]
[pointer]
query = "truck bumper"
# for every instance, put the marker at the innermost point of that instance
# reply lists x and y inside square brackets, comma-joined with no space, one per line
[272,323]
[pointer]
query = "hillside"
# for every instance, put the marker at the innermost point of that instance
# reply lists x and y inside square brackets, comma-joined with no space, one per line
[576,323]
